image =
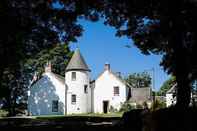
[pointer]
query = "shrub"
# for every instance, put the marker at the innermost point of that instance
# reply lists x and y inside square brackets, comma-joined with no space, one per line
[126,106]
[139,106]
[158,105]
[3,113]
[112,109]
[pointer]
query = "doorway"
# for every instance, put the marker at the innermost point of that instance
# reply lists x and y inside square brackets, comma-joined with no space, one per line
[105,106]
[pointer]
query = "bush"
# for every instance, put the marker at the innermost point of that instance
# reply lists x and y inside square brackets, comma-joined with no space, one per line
[112,109]
[126,107]
[139,106]
[158,105]
[3,113]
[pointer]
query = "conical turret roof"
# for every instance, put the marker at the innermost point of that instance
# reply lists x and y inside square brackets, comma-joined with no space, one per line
[77,62]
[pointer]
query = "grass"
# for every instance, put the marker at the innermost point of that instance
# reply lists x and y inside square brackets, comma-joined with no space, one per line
[115,114]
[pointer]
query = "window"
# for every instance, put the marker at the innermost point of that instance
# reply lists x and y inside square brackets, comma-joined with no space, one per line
[116,91]
[73,76]
[85,89]
[73,99]
[55,106]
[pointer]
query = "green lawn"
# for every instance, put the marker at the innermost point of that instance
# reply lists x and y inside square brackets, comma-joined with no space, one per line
[117,114]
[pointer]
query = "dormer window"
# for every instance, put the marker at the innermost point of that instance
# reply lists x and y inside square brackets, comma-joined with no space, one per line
[73,76]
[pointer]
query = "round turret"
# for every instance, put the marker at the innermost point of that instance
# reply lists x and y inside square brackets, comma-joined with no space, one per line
[77,78]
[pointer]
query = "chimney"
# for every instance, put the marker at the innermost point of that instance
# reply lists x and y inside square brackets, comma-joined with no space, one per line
[48,67]
[107,66]
[118,74]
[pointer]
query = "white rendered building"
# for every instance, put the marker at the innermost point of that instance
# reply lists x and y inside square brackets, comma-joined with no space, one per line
[53,94]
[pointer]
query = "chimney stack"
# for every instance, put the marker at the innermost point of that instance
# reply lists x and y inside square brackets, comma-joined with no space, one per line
[107,66]
[48,67]
[118,74]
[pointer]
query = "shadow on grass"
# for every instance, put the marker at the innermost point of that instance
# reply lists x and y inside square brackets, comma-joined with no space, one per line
[169,119]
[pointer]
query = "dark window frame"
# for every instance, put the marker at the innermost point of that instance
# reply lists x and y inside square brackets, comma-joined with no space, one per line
[73,99]
[85,89]
[73,76]
[55,105]
[116,90]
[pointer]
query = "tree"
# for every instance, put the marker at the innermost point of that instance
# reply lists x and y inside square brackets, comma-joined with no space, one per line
[139,80]
[166,86]
[27,28]
[15,88]
[156,26]
[59,56]
[161,27]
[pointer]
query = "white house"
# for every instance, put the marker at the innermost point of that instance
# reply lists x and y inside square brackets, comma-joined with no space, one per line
[109,91]
[47,95]
[171,96]
[75,93]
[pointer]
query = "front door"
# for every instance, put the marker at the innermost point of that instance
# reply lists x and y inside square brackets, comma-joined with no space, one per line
[105,106]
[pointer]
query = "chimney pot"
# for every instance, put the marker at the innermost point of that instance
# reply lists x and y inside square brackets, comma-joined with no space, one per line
[118,74]
[107,66]
[48,67]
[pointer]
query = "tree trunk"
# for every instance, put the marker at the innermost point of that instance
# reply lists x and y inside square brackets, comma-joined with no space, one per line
[183,91]
[9,104]
[181,63]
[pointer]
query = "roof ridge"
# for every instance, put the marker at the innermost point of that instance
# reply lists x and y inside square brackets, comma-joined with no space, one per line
[119,78]
[59,77]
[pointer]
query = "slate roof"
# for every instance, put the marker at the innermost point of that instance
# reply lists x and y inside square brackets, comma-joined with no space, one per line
[77,62]
[140,94]
[58,77]
[116,76]
[172,89]
[120,79]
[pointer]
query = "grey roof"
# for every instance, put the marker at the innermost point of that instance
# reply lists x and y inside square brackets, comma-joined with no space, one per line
[59,78]
[172,89]
[120,79]
[140,94]
[77,62]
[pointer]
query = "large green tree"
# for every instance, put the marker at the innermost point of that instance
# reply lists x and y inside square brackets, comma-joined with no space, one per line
[166,27]
[139,80]
[15,88]
[58,56]
[166,86]
[157,26]
[28,27]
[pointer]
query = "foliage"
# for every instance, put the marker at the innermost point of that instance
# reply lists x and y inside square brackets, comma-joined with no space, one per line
[59,56]
[157,104]
[139,106]
[166,86]
[28,27]
[3,113]
[157,27]
[145,105]
[112,109]
[16,96]
[126,106]
[139,80]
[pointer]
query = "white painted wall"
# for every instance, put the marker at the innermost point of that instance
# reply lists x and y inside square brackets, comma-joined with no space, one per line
[43,92]
[83,100]
[104,90]
[170,100]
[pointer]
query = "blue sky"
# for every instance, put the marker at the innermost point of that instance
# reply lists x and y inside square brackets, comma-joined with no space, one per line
[99,45]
